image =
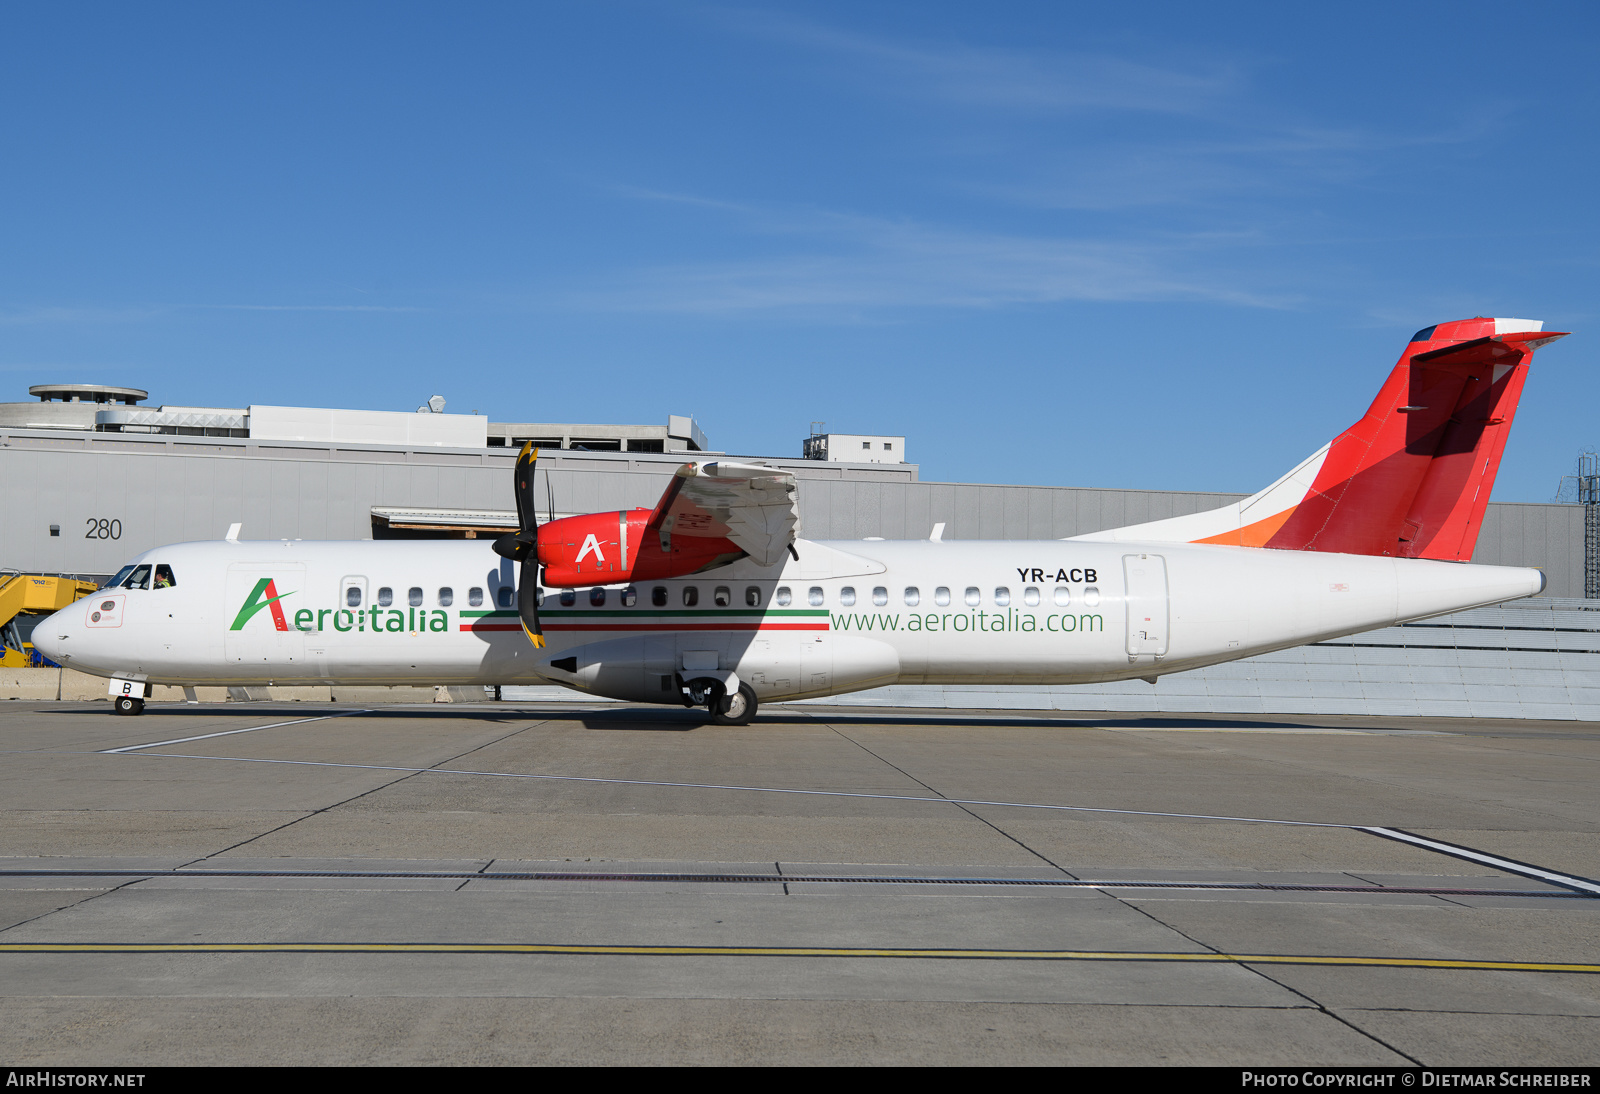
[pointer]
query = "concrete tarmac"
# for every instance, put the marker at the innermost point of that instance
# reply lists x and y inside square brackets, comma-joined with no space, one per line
[501,883]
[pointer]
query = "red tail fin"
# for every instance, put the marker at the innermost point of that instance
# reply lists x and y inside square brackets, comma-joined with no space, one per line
[1412,477]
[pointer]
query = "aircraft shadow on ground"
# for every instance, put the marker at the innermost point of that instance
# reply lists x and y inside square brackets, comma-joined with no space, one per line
[673,718]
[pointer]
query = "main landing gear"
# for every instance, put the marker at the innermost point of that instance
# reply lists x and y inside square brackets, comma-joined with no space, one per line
[726,710]
[736,709]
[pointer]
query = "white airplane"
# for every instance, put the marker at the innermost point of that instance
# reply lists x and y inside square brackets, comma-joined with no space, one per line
[711,599]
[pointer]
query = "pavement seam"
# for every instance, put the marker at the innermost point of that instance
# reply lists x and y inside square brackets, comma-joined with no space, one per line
[74,904]
[1378,778]
[358,797]
[963,808]
[1152,917]
[1272,980]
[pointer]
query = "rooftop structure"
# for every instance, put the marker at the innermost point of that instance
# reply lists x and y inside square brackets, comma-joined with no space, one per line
[88,393]
[853,448]
[98,408]
[680,434]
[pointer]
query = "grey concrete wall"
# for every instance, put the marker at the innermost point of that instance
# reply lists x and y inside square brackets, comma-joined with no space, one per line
[162,489]
[1537,659]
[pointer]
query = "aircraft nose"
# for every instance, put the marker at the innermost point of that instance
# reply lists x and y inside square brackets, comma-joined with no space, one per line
[54,633]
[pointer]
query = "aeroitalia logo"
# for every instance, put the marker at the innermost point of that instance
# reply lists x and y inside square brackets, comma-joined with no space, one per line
[264,595]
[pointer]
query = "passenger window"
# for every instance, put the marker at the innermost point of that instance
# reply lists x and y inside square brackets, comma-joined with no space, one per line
[139,579]
[880,596]
[447,596]
[567,598]
[941,596]
[752,597]
[414,596]
[352,596]
[630,597]
[691,595]
[783,597]
[722,597]
[1002,596]
[1063,596]
[1030,596]
[506,596]
[974,597]
[538,597]
[658,596]
[164,578]
[385,596]
[597,597]
[847,595]
[1091,597]
[814,596]
[913,597]
[474,596]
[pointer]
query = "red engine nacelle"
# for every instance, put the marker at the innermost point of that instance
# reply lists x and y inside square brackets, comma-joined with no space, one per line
[607,548]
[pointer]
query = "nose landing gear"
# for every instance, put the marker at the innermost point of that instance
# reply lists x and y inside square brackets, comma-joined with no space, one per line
[128,696]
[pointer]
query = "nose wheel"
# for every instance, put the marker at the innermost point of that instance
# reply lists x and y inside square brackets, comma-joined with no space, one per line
[126,704]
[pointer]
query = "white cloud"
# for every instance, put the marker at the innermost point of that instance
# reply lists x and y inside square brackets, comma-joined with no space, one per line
[993,77]
[846,265]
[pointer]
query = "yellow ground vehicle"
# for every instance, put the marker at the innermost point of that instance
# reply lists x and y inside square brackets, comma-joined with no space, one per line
[24,600]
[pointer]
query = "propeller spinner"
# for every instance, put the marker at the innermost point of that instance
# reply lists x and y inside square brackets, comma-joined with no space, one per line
[522,546]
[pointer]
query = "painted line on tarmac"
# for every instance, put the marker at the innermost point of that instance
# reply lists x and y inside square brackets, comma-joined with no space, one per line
[497,949]
[228,732]
[1510,866]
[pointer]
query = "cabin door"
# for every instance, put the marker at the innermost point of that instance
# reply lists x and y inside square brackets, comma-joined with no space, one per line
[1148,610]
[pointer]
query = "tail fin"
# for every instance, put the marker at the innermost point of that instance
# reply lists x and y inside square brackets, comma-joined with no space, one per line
[1412,477]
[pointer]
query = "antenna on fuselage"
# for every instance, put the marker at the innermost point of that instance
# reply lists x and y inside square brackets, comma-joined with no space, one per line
[233,533]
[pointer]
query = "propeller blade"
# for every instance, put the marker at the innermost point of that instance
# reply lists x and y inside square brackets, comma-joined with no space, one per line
[523,545]
[527,509]
[524,542]
[527,604]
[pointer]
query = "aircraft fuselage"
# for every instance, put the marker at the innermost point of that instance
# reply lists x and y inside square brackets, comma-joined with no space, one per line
[841,617]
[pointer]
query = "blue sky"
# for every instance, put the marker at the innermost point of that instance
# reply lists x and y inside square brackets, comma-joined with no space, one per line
[1162,245]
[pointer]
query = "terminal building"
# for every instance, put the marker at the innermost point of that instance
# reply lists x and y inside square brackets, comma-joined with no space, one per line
[93,478]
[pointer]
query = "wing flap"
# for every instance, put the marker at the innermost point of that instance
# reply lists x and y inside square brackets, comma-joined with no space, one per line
[751,506]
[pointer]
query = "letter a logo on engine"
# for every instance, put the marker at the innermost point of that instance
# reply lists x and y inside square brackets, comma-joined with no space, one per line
[591,544]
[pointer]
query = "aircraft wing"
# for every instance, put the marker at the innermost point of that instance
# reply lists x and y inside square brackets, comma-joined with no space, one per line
[753,507]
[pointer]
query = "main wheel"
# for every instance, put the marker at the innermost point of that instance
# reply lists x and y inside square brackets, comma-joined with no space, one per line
[126,704]
[736,709]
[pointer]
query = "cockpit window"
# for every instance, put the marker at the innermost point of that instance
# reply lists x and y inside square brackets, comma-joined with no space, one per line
[164,578]
[121,576]
[139,579]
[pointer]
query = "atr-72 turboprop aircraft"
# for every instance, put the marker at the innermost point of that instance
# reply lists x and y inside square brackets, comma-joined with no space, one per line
[712,599]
